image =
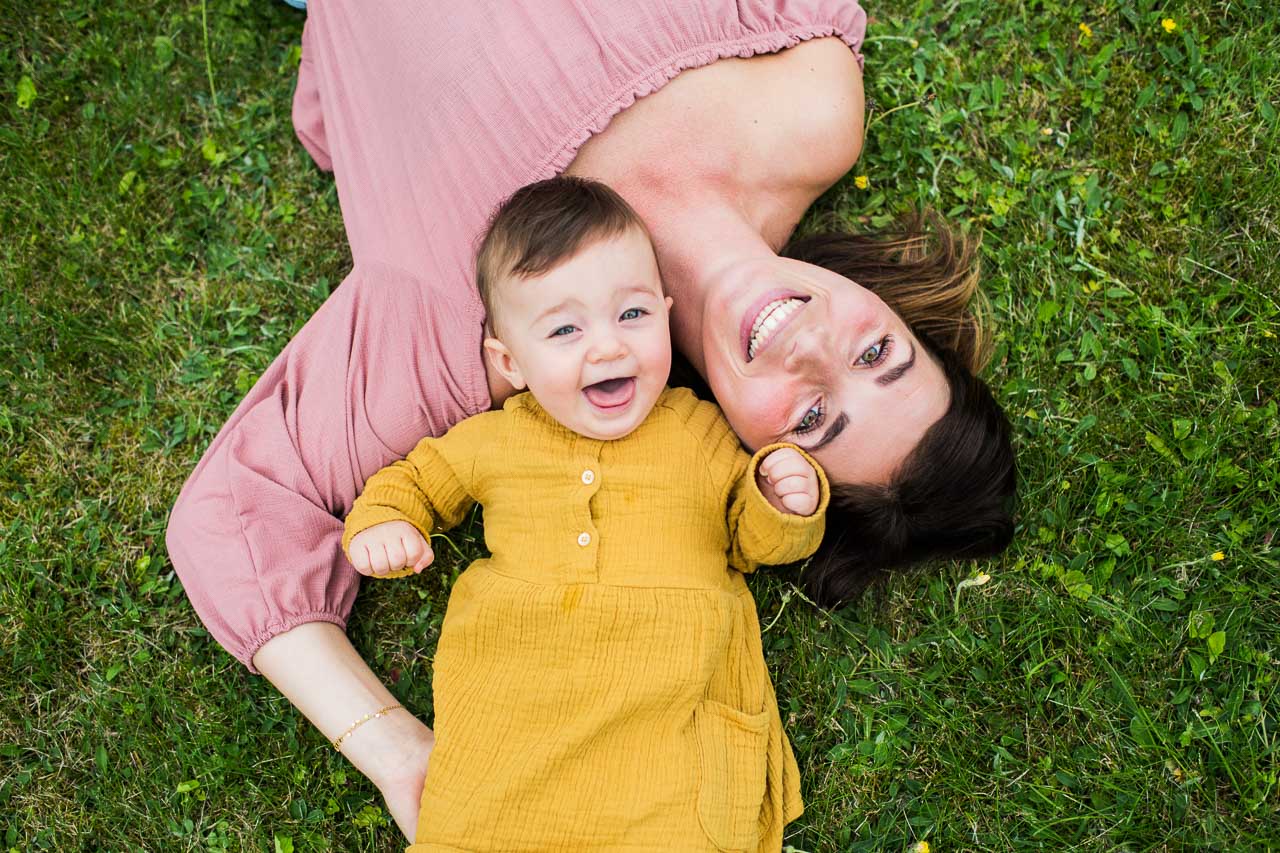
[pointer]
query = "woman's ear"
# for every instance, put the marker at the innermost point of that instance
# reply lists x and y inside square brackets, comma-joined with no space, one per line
[501,359]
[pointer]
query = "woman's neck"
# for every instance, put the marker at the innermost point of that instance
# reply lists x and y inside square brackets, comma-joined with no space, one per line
[697,234]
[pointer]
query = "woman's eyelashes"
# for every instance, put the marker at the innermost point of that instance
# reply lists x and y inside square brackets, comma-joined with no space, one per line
[877,352]
[872,356]
[812,419]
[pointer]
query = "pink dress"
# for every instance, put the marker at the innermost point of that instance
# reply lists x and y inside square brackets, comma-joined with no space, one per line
[429,115]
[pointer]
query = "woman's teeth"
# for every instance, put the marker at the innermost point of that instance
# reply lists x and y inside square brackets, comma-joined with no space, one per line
[770,318]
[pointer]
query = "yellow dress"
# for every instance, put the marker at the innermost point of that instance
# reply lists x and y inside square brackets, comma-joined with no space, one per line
[599,682]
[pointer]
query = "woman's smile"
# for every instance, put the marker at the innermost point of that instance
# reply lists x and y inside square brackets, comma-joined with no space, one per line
[810,360]
[767,320]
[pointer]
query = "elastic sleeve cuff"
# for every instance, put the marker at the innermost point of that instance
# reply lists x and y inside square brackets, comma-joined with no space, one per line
[362,518]
[781,537]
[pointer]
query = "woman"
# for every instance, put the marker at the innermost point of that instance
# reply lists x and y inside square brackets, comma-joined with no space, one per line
[720,122]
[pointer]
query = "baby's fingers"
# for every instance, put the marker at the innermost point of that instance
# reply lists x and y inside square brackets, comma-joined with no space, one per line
[800,503]
[417,552]
[779,463]
[378,558]
[793,484]
[798,493]
[396,558]
[360,559]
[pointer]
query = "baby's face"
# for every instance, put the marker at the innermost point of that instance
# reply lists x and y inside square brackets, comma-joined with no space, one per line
[590,339]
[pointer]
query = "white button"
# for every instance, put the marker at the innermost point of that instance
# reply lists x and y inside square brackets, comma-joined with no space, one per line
[588,476]
[584,539]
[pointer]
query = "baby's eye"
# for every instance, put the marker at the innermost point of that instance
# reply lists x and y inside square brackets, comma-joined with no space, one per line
[633,314]
[564,330]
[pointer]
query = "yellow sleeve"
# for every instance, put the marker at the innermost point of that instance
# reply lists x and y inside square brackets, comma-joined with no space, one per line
[434,486]
[758,533]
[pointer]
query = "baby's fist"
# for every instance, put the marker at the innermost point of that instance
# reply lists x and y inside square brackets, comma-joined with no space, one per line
[788,482]
[389,547]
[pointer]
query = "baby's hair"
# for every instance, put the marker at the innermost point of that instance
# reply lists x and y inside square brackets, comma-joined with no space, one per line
[544,224]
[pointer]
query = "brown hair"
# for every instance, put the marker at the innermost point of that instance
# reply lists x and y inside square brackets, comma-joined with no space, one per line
[952,496]
[923,270]
[543,224]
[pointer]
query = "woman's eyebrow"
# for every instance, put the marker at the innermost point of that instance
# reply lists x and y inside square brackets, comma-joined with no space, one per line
[894,374]
[837,427]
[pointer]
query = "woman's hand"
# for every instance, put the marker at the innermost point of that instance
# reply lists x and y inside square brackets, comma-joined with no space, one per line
[389,547]
[404,752]
[315,666]
[788,482]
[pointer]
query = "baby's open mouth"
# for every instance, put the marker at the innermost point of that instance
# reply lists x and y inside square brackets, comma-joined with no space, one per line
[611,393]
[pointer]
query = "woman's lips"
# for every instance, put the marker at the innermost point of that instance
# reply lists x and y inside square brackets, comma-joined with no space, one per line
[753,311]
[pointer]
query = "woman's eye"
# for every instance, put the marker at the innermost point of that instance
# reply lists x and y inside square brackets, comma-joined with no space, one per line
[811,420]
[633,314]
[564,330]
[876,353]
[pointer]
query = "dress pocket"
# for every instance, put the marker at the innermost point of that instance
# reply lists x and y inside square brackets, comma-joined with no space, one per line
[732,761]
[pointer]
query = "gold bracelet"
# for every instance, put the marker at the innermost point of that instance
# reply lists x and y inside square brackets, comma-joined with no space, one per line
[337,744]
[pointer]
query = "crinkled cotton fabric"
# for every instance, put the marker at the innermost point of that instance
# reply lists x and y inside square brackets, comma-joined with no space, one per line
[599,681]
[429,115]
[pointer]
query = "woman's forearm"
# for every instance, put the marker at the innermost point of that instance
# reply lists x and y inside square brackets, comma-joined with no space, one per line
[319,671]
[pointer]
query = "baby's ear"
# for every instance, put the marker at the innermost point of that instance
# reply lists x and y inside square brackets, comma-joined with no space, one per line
[501,359]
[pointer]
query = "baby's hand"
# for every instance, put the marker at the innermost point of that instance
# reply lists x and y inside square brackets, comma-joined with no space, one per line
[788,482]
[388,547]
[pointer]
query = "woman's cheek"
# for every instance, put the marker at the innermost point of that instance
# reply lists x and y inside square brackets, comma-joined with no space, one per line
[758,417]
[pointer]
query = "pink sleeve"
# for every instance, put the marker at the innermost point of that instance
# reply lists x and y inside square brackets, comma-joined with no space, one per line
[255,534]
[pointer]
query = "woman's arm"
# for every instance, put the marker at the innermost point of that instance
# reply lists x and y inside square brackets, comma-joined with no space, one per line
[255,535]
[318,670]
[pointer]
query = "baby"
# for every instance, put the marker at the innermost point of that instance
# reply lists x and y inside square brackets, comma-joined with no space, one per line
[599,681]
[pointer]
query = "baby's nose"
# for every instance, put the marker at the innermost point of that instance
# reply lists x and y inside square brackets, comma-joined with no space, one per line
[607,348]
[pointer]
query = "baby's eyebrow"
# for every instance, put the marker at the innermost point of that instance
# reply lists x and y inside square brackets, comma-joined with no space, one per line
[559,306]
[641,288]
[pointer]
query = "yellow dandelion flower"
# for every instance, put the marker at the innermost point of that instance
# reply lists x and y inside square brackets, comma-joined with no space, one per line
[1047,131]
[861,182]
[1218,556]
[920,847]
[1169,25]
[1086,31]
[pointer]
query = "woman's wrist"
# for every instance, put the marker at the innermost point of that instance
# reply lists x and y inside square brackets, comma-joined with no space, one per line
[387,749]
[315,666]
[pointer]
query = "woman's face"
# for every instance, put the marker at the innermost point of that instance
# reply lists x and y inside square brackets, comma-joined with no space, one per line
[797,353]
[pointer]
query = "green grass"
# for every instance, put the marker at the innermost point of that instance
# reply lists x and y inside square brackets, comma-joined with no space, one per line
[1112,686]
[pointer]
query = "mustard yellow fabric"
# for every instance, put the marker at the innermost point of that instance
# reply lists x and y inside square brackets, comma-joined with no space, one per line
[599,682]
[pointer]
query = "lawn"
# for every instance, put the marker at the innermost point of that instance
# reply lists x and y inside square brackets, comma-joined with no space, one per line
[1108,683]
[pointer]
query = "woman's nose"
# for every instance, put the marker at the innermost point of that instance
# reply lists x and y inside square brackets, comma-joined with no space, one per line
[809,348]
